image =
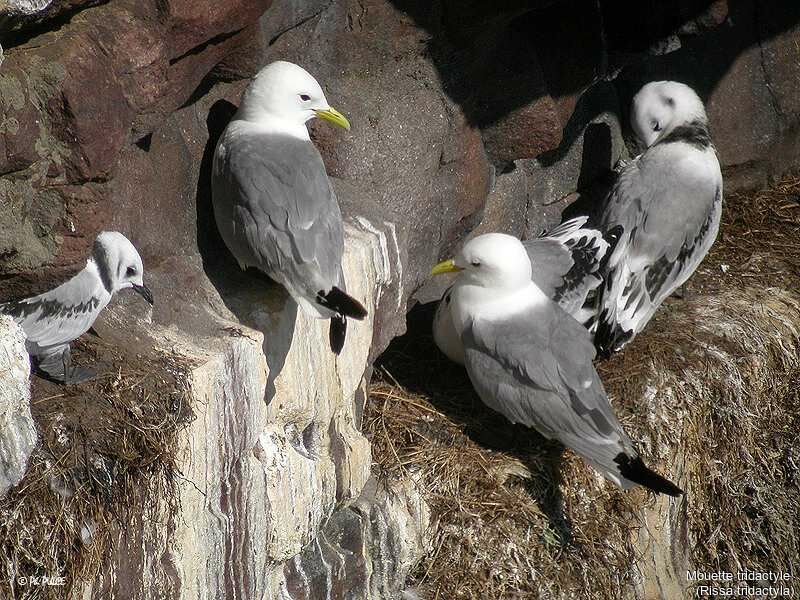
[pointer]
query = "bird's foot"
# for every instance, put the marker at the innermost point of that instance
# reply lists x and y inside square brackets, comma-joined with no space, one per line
[78,375]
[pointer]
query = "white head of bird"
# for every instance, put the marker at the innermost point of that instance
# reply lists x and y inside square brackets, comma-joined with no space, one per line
[661,106]
[283,93]
[119,264]
[495,261]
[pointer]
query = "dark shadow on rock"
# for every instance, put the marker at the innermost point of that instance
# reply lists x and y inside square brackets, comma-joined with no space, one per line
[596,178]
[598,99]
[496,57]
[415,363]
[488,53]
[241,291]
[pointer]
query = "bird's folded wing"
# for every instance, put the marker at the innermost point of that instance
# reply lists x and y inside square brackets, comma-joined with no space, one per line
[62,314]
[551,260]
[543,377]
[284,204]
[665,214]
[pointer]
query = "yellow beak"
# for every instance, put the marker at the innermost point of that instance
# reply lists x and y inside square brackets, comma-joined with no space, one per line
[446,266]
[334,116]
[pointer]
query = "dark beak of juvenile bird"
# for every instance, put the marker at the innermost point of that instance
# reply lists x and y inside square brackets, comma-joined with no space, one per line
[144,292]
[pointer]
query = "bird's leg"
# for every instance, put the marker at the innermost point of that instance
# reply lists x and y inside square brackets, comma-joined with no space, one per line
[75,375]
[66,360]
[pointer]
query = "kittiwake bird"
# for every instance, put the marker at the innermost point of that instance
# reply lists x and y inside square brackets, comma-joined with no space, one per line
[532,362]
[668,203]
[568,258]
[52,320]
[273,203]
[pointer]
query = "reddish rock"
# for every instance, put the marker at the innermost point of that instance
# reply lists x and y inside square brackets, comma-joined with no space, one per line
[190,21]
[75,100]
[525,133]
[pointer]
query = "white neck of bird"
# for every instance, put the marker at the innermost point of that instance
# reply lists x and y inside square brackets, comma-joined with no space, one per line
[268,123]
[471,302]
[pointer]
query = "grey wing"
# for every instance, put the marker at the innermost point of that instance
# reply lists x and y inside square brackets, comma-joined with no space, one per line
[669,213]
[566,262]
[61,315]
[277,211]
[543,377]
[550,262]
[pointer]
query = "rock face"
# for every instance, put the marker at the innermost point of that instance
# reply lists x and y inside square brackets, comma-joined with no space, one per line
[365,550]
[276,466]
[466,117]
[17,429]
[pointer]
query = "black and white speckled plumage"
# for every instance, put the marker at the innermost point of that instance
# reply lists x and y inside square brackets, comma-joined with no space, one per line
[667,203]
[52,320]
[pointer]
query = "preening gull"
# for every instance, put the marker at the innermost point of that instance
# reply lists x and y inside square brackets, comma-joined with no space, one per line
[668,202]
[568,259]
[274,205]
[532,362]
[51,321]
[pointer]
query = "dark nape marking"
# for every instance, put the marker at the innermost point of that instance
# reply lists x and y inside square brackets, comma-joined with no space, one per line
[341,303]
[694,133]
[101,260]
[635,470]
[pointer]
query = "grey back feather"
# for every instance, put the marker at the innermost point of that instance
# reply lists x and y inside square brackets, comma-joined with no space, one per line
[550,261]
[536,369]
[276,210]
[566,262]
[669,203]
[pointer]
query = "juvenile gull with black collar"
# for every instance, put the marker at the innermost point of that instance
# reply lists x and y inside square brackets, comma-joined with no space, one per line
[52,320]
[667,202]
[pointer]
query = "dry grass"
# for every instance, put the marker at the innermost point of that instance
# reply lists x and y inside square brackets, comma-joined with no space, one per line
[710,393]
[107,451]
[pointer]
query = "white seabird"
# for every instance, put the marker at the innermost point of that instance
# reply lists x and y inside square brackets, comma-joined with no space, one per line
[668,203]
[52,320]
[568,259]
[273,203]
[532,362]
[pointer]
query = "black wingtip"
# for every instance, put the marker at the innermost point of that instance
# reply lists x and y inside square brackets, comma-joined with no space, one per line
[612,237]
[609,339]
[341,303]
[635,470]
[337,333]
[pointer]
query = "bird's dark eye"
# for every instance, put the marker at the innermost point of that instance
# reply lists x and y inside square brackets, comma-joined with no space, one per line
[476,263]
[305,97]
[656,126]
[131,271]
